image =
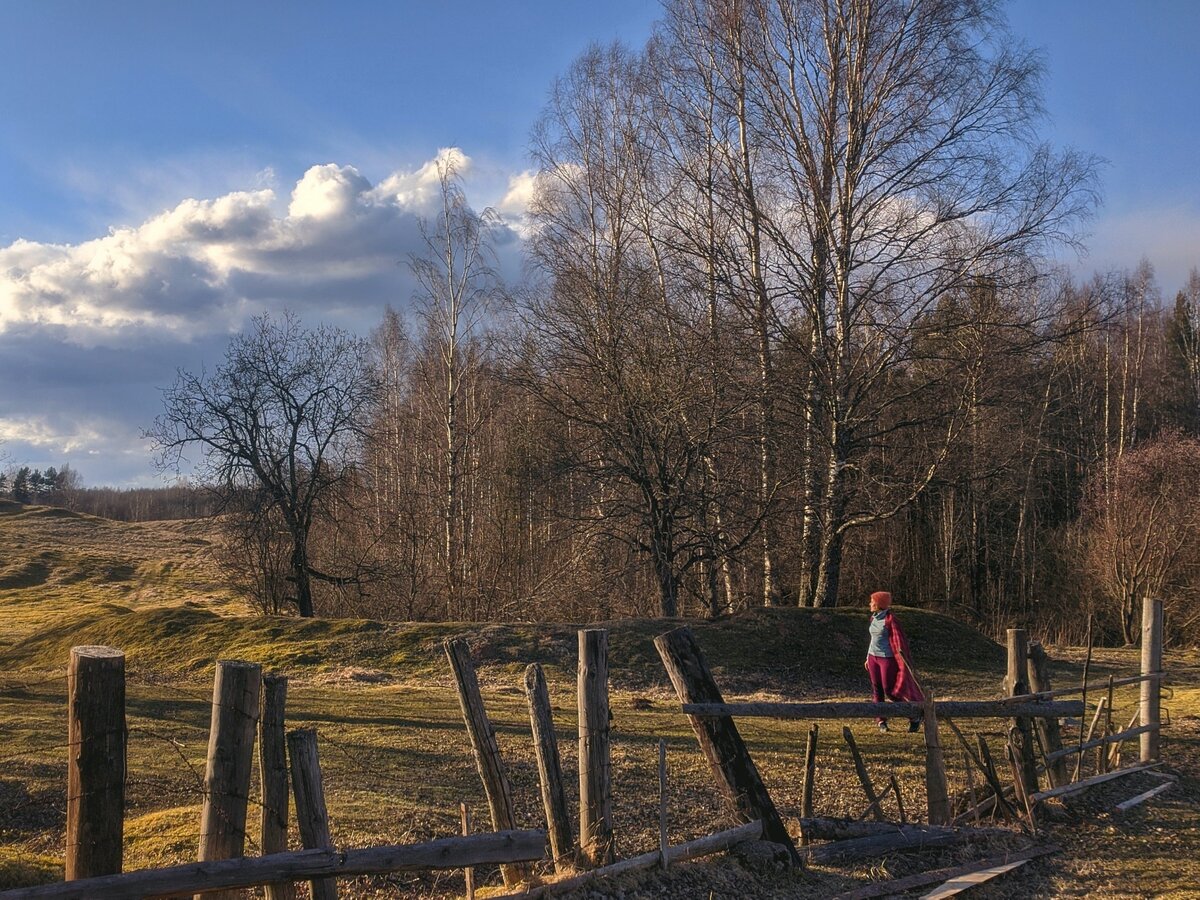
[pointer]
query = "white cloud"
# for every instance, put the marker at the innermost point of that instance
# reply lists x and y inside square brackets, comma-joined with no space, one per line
[204,266]
[90,330]
[41,433]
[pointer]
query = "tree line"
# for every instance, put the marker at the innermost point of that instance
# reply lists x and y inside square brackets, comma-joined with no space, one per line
[789,334]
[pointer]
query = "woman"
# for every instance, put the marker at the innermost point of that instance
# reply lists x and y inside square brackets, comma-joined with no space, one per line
[888,658]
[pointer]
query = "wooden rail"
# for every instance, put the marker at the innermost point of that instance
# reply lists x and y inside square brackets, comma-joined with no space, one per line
[853,709]
[298,865]
[1100,742]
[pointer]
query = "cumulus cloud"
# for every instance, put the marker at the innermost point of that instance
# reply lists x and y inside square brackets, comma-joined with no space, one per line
[204,266]
[88,331]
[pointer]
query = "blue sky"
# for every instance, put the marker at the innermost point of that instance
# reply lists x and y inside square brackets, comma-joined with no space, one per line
[294,131]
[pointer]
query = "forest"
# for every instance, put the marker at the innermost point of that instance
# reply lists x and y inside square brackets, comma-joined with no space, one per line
[794,327]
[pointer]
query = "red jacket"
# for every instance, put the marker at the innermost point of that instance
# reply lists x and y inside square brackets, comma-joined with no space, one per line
[906,684]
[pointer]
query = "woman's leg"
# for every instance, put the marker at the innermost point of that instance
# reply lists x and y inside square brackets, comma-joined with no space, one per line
[879,685]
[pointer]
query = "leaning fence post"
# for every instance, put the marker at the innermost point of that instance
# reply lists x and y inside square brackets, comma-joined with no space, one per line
[737,776]
[1039,681]
[1152,649]
[237,689]
[1015,684]
[273,775]
[545,745]
[595,787]
[95,761]
[312,816]
[487,753]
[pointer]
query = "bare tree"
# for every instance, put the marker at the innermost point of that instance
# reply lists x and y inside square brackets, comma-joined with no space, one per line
[457,286]
[282,415]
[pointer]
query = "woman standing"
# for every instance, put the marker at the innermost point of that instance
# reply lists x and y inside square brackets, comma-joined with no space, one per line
[888,658]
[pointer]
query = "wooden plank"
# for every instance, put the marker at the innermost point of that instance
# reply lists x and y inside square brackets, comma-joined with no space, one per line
[864,709]
[1066,789]
[1142,798]
[904,839]
[921,879]
[297,865]
[96,739]
[705,846]
[719,739]
[1079,689]
[956,886]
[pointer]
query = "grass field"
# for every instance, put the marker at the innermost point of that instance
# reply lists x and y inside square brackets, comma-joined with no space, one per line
[395,753]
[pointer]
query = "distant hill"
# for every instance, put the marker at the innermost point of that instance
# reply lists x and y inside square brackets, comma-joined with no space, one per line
[150,589]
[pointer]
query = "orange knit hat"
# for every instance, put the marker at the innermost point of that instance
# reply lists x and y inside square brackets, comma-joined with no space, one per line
[882,599]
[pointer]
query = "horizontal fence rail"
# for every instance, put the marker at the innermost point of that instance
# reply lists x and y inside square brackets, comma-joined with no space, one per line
[955,709]
[298,865]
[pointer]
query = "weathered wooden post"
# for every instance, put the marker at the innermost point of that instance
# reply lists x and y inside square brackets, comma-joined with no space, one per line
[1039,681]
[273,776]
[487,753]
[1152,649]
[662,802]
[936,791]
[312,816]
[237,689]
[545,745]
[873,805]
[1015,684]
[595,773]
[723,747]
[96,737]
[810,773]
[469,872]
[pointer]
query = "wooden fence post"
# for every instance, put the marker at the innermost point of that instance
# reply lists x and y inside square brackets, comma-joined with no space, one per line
[487,753]
[96,737]
[1039,681]
[873,805]
[1152,649]
[723,747]
[1015,684]
[312,816]
[273,776]
[810,773]
[936,791]
[237,690]
[545,745]
[595,772]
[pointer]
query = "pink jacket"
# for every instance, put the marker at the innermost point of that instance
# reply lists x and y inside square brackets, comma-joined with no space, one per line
[906,685]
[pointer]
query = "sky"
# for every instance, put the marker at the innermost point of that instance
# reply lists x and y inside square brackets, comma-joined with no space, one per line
[168,170]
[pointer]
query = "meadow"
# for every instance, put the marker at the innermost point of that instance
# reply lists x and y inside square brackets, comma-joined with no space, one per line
[394,749]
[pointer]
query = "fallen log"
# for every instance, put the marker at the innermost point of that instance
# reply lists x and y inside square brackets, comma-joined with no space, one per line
[911,882]
[864,709]
[297,865]
[713,843]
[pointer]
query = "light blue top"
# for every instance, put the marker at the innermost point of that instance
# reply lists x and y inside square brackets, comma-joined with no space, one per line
[879,639]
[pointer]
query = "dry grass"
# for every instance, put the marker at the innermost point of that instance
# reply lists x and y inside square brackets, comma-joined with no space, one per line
[396,759]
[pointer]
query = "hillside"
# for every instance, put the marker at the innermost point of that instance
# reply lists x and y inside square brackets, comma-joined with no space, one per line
[394,753]
[68,579]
